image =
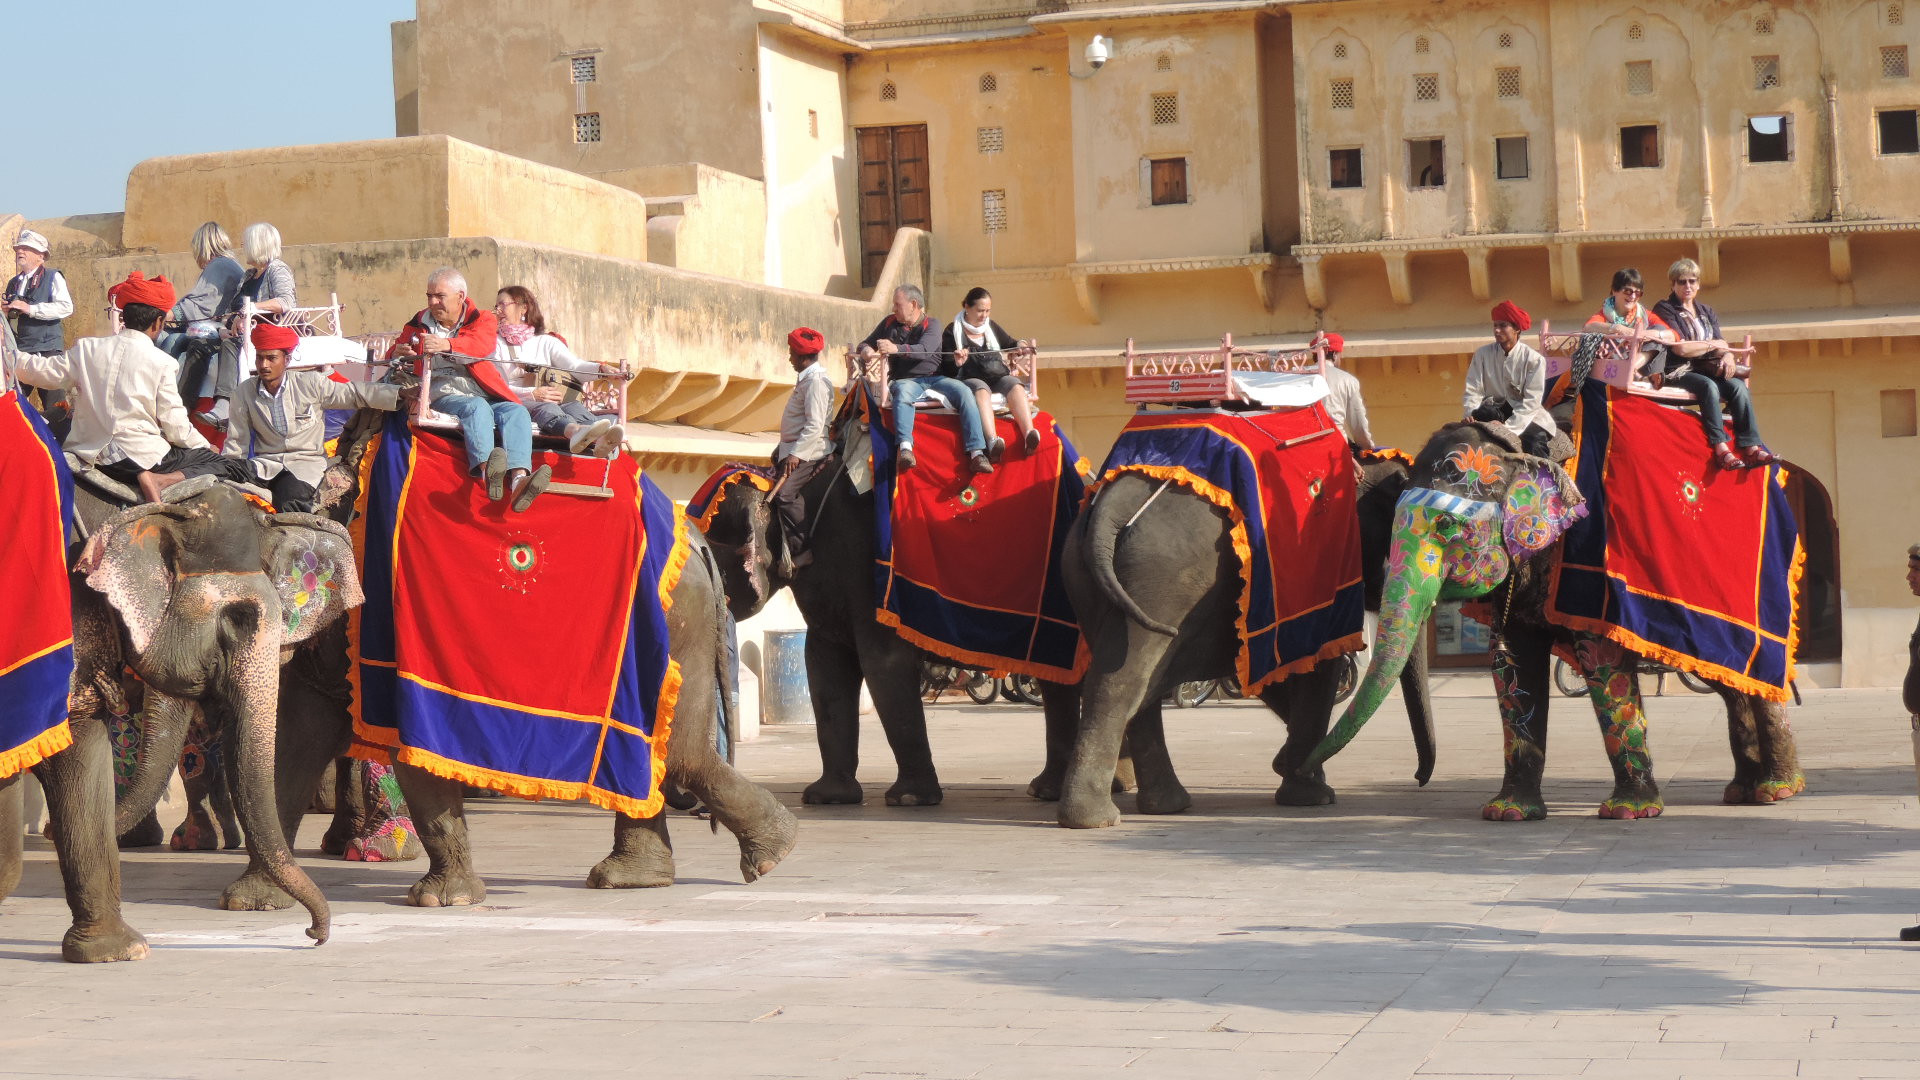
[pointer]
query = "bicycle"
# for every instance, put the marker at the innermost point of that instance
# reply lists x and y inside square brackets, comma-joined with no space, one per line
[1570,683]
[937,678]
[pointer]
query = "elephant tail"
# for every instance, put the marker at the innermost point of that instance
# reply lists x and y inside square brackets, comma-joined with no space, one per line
[1104,525]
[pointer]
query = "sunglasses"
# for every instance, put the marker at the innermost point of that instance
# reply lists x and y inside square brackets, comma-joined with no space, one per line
[1630,292]
[1687,281]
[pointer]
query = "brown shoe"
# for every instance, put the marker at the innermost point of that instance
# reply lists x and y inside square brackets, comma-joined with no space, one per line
[905,458]
[535,484]
[980,463]
[996,449]
[496,474]
[1033,440]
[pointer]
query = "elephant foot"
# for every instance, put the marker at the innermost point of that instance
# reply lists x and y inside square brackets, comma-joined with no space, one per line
[1304,791]
[194,834]
[651,870]
[1508,808]
[760,853]
[1619,808]
[1046,785]
[1089,814]
[103,943]
[394,841]
[442,888]
[1766,791]
[916,792]
[254,891]
[825,792]
[1169,798]
[147,833]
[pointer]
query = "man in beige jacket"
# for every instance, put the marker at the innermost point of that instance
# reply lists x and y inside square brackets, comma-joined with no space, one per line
[279,422]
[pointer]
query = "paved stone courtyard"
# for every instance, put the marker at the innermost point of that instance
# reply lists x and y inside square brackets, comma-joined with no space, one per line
[1391,935]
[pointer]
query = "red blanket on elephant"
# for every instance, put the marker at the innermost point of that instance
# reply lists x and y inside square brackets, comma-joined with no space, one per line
[1679,560]
[521,652]
[968,566]
[1286,481]
[36,633]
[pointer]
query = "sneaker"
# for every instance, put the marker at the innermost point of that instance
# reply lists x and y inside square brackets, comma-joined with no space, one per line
[612,442]
[996,449]
[529,490]
[1033,440]
[905,457]
[496,474]
[980,463]
[587,435]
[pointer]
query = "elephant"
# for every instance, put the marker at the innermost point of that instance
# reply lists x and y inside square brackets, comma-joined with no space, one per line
[184,592]
[846,645]
[1156,584]
[1482,519]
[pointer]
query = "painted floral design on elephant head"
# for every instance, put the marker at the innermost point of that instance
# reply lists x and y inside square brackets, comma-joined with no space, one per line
[1475,467]
[303,592]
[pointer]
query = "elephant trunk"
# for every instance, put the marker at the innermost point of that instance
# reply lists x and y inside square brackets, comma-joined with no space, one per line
[163,734]
[1411,591]
[254,687]
[1413,688]
[1102,538]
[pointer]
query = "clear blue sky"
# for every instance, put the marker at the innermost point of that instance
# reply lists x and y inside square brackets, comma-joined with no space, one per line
[118,82]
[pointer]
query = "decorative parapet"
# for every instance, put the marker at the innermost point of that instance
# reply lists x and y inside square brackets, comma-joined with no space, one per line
[1260,264]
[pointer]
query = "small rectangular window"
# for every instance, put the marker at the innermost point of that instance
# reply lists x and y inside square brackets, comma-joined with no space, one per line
[585,69]
[1766,73]
[1426,163]
[813,122]
[1769,138]
[1166,108]
[1510,157]
[993,210]
[1639,76]
[1340,93]
[1506,82]
[586,127]
[1169,181]
[1899,131]
[1426,88]
[1893,61]
[1640,146]
[1343,168]
[991,140]
[1898,418]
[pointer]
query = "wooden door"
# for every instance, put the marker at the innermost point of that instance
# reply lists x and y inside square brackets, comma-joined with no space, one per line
[895,190]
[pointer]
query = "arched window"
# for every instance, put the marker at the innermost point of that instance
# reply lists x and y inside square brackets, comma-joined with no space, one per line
[988,83]
[889,92]
[1422,45]
[1340,50]
[1506,41]
[1635,31]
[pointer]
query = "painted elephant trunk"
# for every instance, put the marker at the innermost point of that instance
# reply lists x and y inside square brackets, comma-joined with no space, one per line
[1411,591]
[255,687]
[1102,538]
[163,734]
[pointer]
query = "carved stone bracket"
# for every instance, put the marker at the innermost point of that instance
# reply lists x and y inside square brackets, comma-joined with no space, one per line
[1840,257]
[1709,261]
[1477,276]
[1399,277]
[1315,281]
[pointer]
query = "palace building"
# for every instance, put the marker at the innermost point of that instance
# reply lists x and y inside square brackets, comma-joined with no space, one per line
[1265,168]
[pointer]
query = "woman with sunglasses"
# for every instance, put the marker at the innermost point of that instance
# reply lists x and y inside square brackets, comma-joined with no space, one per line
[1698,361]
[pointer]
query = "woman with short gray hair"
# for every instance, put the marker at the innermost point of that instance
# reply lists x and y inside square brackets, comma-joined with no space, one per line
[193,327]
[269,285]
[1699,362]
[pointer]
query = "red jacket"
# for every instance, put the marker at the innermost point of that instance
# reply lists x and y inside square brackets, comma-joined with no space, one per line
[476,339]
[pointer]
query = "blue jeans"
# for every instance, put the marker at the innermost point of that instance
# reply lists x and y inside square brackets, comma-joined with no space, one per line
[552,417]
[907,391]
[1714,393]
[478,417]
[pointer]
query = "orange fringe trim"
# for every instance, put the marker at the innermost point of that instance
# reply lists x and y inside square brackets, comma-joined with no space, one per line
[527,787]
[357,532]
[1387,453]
[997,666]
[719,495]
[35,750]
[1243,548]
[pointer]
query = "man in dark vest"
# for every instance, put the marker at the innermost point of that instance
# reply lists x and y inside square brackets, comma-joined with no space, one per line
[37,301]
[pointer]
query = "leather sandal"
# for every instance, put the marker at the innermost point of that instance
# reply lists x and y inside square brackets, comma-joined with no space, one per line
[1757,455]
[531,489]
[1724,457]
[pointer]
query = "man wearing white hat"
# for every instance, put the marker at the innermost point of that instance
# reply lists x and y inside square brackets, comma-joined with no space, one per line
[38,300]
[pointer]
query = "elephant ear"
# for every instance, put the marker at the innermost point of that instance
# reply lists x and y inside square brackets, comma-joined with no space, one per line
[1540,503]
[309,559]
[129,560]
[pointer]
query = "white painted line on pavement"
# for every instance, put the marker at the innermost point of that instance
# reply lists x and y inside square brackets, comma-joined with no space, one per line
[940,899]
[379,926]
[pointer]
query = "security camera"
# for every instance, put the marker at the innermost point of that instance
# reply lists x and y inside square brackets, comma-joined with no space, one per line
[1098,51]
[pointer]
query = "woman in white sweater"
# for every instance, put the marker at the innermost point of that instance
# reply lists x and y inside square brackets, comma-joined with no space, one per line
[537,366]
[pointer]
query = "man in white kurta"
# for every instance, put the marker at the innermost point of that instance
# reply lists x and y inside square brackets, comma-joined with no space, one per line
[804,448]
[1344,403]
[279,423]
[127,417]
[1507,382]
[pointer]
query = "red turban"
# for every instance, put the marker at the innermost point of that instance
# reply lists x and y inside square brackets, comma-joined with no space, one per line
[268,336]
[137,289]
[807,341]
[1334,342]
[1509,312]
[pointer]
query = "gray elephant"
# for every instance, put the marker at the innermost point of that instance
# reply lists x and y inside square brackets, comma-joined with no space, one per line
[1155,583]
[1473,496]
[846,645]
[185,593]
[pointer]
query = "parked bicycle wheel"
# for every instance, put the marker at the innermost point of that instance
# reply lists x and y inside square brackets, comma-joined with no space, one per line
[982,688]
[1694,682]
[1025,688]
[1190,695]
[1570,682]
[1349,679]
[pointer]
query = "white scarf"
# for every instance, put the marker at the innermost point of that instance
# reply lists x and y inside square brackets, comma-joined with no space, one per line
[988,341]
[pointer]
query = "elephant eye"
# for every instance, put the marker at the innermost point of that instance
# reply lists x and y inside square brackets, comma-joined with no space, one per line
[1446,526]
